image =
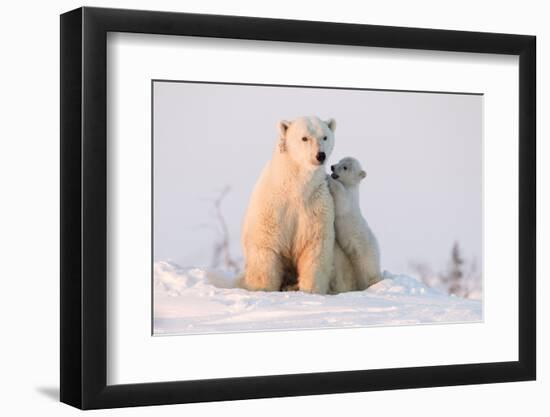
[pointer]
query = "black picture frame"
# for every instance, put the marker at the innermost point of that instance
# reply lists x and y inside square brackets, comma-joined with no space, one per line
[84,207]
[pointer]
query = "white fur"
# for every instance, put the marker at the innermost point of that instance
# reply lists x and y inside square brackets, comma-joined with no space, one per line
[288,228]
[343,277]
[353,234]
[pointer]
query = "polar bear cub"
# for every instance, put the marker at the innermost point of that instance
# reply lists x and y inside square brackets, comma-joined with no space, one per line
[353,234]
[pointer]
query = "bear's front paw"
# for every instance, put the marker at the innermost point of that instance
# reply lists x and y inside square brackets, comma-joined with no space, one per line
[333,185]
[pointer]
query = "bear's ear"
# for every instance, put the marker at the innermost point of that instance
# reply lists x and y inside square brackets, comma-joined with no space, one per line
[362,174]
[282,126]
[331,123]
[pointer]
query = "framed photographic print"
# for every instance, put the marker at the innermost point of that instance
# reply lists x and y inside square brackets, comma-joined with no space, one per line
[257,207]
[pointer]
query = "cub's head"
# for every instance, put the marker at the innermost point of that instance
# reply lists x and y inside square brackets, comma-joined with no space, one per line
[308,141]
[348,171]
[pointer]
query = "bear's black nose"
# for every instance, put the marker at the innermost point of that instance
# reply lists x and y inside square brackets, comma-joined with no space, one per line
[332,168]
[321,156]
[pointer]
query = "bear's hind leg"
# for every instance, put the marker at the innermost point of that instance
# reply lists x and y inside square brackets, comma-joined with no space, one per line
[263,271]
[369,266]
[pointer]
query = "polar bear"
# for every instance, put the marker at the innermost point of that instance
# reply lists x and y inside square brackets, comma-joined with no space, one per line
[288,227]
[353,234]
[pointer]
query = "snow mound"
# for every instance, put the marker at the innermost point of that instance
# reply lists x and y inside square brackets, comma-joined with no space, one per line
[400,284]
[194,300]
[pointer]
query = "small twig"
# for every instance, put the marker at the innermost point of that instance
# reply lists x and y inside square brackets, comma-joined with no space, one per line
[222,248]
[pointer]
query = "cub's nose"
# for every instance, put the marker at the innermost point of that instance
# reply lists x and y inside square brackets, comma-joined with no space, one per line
[321,156]
[332,168]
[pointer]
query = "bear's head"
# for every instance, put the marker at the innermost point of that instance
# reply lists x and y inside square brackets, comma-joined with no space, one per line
[308,141]
[348,171]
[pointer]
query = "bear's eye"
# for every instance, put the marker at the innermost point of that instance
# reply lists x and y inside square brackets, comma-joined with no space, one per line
[345,168]
[325,138]
[304,139]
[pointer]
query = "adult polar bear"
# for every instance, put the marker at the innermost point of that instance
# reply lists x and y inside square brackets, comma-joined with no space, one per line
[288,228]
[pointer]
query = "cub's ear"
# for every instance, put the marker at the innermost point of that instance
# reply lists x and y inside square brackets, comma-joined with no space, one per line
[282,126]
[331,123]
[362,174]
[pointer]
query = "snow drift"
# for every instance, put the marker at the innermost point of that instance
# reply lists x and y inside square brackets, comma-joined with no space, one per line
[193,301]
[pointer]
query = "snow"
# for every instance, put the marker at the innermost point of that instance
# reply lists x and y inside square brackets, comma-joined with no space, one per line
[195,301]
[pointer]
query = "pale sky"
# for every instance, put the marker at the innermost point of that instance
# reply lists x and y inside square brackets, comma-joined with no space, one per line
[422,153]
